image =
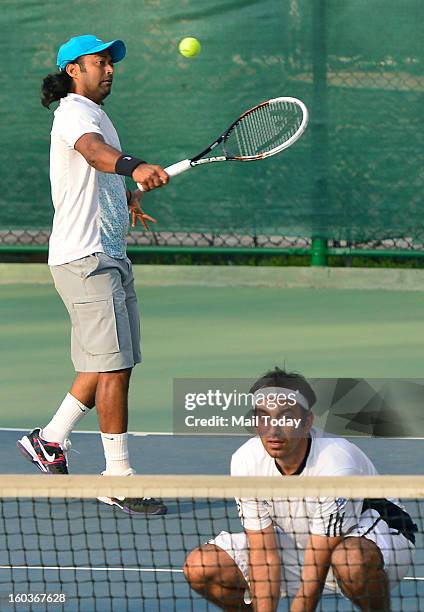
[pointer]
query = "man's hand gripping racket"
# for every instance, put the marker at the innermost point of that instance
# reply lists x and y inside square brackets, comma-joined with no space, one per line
[260,132]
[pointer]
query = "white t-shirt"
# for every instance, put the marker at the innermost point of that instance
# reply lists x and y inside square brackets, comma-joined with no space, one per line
[300,517]
[91,212]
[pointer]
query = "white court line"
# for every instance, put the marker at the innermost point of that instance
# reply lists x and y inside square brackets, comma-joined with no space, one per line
[134,433]
[120,569]
[77,431]
[138,434]
[92,569]
[170,433]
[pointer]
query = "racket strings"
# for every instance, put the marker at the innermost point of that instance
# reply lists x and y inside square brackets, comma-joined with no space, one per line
[263,130]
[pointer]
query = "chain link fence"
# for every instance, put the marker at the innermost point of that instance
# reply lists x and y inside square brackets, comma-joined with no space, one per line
[354,182]
[29,240]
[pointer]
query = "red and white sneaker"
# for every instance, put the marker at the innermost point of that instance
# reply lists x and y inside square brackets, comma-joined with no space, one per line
[49,457]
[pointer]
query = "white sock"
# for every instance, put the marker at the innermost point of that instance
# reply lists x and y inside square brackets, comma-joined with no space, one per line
[67,416]
[116,454]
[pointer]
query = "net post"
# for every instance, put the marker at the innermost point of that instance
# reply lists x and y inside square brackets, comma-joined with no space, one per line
[319,131]
[319,252]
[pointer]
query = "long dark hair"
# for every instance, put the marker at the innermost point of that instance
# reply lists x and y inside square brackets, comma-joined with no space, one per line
[57,85]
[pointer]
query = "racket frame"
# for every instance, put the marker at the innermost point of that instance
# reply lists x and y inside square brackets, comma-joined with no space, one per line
[200,159]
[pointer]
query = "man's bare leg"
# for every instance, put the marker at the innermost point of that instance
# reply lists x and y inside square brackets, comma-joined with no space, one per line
[359,568]
[112,400]
[112,410]
[84,388]
[212,573]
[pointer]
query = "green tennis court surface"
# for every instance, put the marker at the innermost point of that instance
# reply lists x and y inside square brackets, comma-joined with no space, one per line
[188,331]
[193,331]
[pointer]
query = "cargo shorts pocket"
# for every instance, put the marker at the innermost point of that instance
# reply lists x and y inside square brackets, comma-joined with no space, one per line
[96,327]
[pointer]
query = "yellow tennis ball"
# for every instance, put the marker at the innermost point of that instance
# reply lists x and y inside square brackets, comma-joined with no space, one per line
[189,47]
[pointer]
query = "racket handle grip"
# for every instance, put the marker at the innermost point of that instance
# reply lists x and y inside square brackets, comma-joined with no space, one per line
[178,168]
[173,170]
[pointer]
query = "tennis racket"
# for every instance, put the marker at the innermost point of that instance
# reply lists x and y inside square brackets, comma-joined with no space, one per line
[260,132]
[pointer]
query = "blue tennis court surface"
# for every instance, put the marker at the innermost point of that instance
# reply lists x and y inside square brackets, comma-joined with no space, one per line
[117,563]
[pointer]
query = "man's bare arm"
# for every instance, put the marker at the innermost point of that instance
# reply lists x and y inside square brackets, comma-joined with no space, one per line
[264,569]
[316,563]
[103,157]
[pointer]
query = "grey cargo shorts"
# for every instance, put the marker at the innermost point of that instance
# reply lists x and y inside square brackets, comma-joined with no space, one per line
[98,292]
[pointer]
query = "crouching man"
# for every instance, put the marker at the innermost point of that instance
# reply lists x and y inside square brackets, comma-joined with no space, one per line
[302,548]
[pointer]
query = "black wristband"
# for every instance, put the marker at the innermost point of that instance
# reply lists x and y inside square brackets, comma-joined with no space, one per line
[126,164]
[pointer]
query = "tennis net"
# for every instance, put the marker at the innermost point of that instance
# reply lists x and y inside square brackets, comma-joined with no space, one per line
[61,549]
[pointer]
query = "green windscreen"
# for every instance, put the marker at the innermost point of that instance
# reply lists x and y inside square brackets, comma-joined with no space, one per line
[356,174]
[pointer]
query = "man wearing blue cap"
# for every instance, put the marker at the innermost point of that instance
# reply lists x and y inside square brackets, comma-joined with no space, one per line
[87,258]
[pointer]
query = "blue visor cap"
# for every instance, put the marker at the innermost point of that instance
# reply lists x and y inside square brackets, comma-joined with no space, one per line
[86,45]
